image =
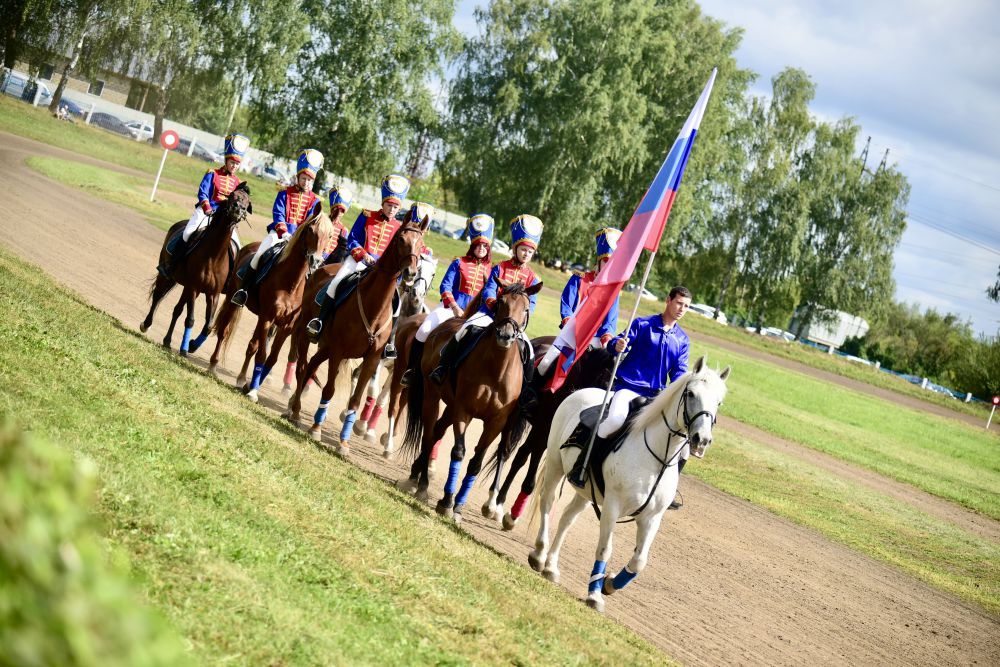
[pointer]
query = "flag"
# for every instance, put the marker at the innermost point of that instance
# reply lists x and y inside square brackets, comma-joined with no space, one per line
[643,231]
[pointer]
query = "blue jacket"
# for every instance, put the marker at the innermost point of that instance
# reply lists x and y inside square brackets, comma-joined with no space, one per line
[509,272]
[655,356]
[292,208]
[463,280]
[571,299]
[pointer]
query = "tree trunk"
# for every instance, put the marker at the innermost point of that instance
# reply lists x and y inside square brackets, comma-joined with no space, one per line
[67,70]
[161,108]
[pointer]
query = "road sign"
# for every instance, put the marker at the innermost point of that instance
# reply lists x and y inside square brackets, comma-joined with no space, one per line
[169,140]
[996,400]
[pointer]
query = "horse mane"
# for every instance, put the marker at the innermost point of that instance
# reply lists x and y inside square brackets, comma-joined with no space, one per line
[324,228]
[406,225]
[651,413]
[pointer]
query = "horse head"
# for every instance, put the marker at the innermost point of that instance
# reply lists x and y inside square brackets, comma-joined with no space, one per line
[513,310]
[701,395]
[237,206]
[593,369]
[316,235]
[414,294]
[403,254]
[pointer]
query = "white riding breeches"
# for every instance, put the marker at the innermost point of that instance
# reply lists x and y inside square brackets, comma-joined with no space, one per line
[481,319]
[552,354]
[266,244]
[199,220]
[431,322]
[349,266]
[617,412]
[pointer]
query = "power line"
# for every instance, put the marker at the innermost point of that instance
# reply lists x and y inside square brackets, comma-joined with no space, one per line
[950,232]
[929,211]
[954,174]
[949,253]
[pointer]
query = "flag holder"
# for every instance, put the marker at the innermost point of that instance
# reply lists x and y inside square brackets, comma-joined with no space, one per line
[578,476]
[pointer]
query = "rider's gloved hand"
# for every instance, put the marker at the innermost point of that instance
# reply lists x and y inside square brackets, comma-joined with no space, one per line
[281,229]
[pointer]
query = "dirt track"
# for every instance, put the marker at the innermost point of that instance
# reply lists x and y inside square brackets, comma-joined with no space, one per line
[728,583]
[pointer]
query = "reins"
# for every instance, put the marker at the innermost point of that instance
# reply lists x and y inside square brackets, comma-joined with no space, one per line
[372,335]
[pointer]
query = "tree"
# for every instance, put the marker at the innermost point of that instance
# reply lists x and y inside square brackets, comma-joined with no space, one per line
[855,224]
[993,291]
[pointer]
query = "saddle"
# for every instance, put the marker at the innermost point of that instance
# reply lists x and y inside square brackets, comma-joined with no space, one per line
[267,261]
[193,242]
[469,342]
[603,447]
[347,287]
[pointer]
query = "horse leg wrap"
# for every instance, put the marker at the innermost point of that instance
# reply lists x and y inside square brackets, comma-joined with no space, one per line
[463,493]
[621,580]
[186,340]
[453,472]
[259,373]
[367,411]
[198,342]
[597,575]
[321,413]
[376,413]
[345,433]
[434,450]
[518,507]
[290,372]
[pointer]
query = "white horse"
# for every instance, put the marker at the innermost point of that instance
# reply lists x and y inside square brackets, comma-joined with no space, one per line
[640,478]
[411,303]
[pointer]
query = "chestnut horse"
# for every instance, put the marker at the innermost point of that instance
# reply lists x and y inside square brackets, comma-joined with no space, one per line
[205,270]
[359,327]
[487,387]
[593,370]
[276,301]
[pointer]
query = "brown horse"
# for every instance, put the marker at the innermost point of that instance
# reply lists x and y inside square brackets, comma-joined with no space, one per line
[276,301]
[593,370]
[486,388]
[358,328]
[204,271]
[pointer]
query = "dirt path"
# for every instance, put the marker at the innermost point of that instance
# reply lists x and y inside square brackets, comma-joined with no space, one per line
[727,583]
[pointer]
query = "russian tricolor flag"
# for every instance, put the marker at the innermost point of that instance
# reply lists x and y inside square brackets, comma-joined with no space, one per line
[644,230]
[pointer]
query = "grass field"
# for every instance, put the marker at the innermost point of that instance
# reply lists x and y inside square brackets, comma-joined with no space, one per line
[260,548]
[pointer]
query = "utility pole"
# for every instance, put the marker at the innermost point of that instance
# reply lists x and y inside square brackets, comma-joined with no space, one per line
[881,165]
[864,157]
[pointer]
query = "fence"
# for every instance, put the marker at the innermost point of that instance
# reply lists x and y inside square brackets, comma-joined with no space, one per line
[82,107]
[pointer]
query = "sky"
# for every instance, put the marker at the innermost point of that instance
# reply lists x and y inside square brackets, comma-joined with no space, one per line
[922,78]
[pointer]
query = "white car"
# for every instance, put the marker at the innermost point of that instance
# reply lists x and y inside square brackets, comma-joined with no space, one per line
[140,131]
[646,294]
[708,311]
[14,84]
[775,332]
[501,248]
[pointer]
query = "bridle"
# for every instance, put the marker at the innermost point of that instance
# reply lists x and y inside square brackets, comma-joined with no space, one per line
[416,255]
[518,328]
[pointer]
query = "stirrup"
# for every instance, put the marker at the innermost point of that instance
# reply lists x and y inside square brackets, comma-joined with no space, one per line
[239,299]
[314,328]
[389,351]
[437,375]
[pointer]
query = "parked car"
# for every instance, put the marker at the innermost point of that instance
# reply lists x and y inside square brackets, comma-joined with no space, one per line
[18,84]
[272,173]
[140,131]
[646,294]
[199,151]
[501,248]
[708,311]
[106,121]
[72,108]
[775,332]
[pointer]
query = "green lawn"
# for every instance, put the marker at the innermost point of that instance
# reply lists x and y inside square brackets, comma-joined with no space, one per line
[259,548]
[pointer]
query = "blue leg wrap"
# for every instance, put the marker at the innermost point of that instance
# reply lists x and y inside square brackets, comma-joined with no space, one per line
[321,413]
[256,379]
[197,342]
[453,472]
[463,493]
[186,340]
[597,575]
[345,433]
[623,578]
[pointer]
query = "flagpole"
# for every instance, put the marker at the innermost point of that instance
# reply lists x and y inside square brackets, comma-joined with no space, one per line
[582,469]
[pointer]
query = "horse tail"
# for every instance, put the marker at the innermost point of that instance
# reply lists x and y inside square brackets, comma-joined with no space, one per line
[225,324]
[414,418]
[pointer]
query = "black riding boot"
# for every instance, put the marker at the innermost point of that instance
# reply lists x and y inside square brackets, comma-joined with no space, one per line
[413,367]
[249,278]
[677,502]
[448,354]
[389,351]
[315,325]
[528,399]
[180,249]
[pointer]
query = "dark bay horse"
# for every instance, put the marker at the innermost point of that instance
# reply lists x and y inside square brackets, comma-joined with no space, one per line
[592,370]
[358,328]
[204,271]
[276,301]
[487,387]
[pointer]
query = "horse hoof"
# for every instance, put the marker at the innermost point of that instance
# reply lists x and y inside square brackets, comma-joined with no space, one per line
[252,395]
[371,436]
[360,427]
[551,575]
[212,369]
[596,604]
[509,521]
[183,353]
[316,433]
[286,391]
[343,449]
[343,415]
[445,509]
[407,485]
[143,328]
[422,495]
[388,454]
[384,440]
[535,561]
[488,509]
[457,518]
[290,416]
